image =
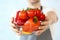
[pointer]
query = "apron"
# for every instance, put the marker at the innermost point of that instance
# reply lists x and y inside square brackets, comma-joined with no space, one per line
[45,35]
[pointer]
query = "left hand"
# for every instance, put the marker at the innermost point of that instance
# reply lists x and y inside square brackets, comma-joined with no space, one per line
[43,27]
[50,19]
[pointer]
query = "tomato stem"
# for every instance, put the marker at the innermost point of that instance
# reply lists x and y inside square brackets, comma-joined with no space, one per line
[35,19]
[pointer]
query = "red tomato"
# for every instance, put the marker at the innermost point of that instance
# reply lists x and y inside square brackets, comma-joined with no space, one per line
[22,15]
[30,25]
[20,22]
[38,12]
[21,18]
[31,13]
[42,17]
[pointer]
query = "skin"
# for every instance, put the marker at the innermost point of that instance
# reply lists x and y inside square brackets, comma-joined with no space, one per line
[33,1]
[51,18]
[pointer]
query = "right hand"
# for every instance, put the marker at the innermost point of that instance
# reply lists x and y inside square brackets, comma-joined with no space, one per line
[14,27]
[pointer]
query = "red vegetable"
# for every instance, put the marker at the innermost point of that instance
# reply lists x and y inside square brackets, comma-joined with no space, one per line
[29,19]
[41,17]
[21,18]
[22,15]
[31,13]
[38,12]
[31,26]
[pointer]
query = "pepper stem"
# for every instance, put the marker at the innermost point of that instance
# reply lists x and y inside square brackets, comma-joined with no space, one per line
[35,19]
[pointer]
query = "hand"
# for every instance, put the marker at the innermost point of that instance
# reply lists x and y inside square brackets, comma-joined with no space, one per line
[43,27]
[15,28]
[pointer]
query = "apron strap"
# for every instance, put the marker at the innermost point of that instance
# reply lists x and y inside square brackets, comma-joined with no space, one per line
[41,7]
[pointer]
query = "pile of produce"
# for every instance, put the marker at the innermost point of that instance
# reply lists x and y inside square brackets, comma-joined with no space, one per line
[29,19]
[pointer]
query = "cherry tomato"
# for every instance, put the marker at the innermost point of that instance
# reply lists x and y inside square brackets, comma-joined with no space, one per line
[21,18]
[31,13]
[42,17]
[38,12]
[22,15]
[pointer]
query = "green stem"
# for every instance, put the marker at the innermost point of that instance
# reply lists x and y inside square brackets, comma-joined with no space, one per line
[35,19]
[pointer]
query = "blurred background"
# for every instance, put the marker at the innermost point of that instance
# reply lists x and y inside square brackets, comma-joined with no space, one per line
[8,7]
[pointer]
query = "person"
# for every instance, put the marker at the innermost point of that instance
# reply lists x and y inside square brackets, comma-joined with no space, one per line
[43,34]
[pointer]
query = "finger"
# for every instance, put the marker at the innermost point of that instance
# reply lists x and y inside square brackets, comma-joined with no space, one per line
[39,32]
[15,27]
[12,24]
[43,27]
[19,33]
[15,30]
[45,23]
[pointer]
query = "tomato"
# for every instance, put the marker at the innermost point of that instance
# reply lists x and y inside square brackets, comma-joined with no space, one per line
[31,13]
[21,18]
[22,15]
[30,25]
[38,12]
[41,17]
[20,22]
